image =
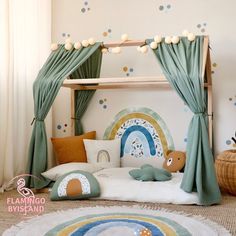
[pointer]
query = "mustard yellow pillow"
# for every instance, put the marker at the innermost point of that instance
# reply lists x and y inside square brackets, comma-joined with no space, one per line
[71,149]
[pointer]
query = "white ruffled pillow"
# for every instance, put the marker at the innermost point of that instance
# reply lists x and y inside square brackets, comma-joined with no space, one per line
[57,171]
[103,153]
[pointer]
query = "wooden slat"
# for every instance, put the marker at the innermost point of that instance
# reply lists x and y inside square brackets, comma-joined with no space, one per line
[149,85]
[114,80]
[120,86]
[209,98]
[208,68]
[210,115]
[72,107]
[205,53]
[127,43]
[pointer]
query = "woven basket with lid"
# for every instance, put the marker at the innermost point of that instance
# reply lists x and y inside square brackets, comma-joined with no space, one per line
[226,171]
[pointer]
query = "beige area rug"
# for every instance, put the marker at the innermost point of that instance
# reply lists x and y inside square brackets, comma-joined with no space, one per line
[224,214]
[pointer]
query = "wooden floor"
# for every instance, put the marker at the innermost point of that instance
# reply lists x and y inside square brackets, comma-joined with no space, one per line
[224,214]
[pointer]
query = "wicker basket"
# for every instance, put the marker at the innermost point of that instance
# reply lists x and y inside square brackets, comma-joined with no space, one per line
[226,171]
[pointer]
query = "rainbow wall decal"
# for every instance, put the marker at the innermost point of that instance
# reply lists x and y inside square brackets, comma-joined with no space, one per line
[143,134]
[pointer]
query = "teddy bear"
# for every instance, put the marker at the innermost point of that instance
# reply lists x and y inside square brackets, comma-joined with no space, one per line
[174,161]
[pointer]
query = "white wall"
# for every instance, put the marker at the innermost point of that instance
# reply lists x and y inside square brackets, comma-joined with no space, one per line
[144,19]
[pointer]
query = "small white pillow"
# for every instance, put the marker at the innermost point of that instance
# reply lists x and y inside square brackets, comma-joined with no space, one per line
[57,171]
[104,153]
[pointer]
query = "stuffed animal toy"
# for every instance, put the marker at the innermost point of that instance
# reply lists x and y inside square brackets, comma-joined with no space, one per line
[174,161]
[149,173]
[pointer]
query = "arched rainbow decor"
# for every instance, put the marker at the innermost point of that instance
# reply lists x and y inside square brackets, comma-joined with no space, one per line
[143,134]
[119,220]
[84,182]
[119,224]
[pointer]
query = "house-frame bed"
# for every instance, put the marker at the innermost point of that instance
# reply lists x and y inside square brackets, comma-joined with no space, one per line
[187,69]
[141,82]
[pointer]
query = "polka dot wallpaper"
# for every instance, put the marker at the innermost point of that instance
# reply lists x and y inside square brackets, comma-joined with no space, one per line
[107,20]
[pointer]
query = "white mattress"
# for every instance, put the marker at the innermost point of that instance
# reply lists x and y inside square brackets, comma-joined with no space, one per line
[117,184]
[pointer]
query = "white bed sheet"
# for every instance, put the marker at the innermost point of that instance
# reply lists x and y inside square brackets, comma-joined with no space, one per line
[117,184]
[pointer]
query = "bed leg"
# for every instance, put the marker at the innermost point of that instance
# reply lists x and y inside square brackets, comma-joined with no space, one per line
[72,112]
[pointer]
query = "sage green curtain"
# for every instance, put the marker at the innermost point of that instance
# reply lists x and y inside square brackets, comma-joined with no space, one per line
[90,69]
[182,65]
[60,64]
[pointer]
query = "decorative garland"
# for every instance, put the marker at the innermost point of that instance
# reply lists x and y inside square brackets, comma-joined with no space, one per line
[124,38]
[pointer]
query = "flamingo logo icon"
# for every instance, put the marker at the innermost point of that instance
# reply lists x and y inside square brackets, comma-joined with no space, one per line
[27,202]
[22,190]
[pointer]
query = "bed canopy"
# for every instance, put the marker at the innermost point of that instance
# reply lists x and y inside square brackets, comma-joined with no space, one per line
[186,67]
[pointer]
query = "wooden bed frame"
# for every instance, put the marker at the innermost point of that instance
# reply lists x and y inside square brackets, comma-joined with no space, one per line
[142,82]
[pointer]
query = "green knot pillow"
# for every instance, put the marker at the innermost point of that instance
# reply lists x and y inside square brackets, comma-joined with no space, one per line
[149,173]
[75,185]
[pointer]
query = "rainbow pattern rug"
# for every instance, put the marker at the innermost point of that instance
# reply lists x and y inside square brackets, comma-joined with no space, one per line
[117,221]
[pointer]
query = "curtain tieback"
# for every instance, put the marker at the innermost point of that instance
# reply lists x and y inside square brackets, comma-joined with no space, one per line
[35,119]
[203,113]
